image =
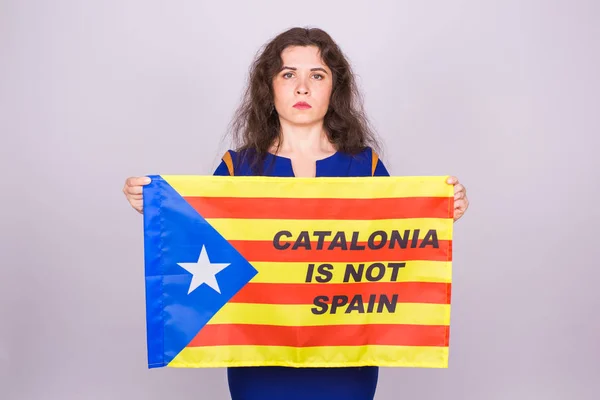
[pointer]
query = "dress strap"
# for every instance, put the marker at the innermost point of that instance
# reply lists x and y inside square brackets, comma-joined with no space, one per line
[374,160]
[229,162]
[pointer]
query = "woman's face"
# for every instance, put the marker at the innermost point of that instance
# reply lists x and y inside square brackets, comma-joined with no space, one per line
[302,88]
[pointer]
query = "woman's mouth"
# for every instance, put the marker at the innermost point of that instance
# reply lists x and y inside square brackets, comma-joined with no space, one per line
[301,105]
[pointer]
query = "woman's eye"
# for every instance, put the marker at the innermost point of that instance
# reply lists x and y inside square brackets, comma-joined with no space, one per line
[287,75]
[318,76]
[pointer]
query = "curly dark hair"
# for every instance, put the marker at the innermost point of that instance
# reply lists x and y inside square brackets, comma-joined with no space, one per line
[256,126]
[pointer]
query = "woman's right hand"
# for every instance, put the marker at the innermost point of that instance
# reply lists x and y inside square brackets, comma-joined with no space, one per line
[133,190]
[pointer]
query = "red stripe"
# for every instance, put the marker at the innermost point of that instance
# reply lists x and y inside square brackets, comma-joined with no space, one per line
[339,209]
[328,335]
[263,251]
[305,293]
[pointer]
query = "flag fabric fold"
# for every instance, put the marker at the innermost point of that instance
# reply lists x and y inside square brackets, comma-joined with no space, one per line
[321,272]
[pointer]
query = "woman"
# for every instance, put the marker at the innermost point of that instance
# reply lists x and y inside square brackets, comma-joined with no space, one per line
[301,117]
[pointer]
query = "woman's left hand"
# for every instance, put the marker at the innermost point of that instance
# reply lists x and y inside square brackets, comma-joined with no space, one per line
[461,202]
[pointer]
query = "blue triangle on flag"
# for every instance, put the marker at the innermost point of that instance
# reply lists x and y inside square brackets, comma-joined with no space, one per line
[175,233]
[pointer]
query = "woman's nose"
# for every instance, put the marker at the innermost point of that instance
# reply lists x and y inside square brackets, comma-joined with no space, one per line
[302,87]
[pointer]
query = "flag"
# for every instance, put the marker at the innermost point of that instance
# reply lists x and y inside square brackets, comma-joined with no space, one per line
[302,272]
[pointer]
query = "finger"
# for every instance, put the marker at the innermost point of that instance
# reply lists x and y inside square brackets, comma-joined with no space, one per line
[136,197]
[459,188]
[459,195]
[134,190]
[452,180]
[138,205]
[460,205]
[138,181]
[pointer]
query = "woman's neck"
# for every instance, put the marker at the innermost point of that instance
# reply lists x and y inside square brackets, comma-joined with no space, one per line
[307,140]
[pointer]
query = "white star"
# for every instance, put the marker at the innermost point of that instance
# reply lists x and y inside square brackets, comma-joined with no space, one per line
[203,272]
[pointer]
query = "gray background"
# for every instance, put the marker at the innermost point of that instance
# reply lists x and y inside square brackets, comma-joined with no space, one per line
[503,94]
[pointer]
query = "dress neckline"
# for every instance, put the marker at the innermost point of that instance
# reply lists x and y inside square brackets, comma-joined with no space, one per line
[334,154]
[320,164]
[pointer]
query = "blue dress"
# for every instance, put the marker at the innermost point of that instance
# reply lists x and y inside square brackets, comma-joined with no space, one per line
[285,383]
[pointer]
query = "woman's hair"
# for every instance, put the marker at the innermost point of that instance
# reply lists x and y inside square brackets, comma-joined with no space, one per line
[256,126]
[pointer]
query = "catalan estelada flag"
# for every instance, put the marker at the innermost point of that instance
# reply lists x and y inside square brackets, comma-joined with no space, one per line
[302,272]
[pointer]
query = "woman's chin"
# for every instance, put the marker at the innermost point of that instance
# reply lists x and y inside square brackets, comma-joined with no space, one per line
[303,120]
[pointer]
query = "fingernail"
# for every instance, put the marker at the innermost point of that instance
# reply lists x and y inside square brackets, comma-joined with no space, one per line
[147,180]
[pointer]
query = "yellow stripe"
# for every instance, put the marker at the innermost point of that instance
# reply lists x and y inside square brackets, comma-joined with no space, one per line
[414,271]
[325,187]
[265,229]
[300,315]
[327,356]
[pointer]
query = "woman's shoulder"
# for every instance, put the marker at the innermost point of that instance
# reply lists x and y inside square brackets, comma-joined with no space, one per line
[234,162]
[227,164]
[367,156]
[368,159]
